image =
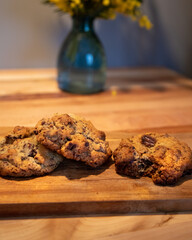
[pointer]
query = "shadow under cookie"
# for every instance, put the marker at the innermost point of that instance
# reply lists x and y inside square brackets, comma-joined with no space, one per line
[72,169]
[180,181]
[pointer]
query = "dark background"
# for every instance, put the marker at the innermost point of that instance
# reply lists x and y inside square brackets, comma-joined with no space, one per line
[31,34]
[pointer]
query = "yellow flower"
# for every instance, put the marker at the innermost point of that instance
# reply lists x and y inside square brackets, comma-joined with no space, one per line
[75,3]
[106,2]
[131,5]
[144,22]
[104,9]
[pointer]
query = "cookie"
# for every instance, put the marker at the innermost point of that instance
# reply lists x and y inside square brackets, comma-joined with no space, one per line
[159,156]
[74,138]
[22,156]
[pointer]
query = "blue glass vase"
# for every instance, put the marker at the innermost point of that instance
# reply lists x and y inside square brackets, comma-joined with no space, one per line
[82,61]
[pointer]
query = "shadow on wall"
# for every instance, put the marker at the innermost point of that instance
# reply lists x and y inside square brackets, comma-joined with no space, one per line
[168,44]
[133,46]
[173,34]
[32,33]
[161,52]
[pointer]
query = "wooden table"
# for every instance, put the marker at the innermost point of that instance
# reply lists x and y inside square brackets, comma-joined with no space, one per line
[135,100]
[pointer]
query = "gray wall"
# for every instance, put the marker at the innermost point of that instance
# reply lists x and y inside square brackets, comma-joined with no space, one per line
[31,35]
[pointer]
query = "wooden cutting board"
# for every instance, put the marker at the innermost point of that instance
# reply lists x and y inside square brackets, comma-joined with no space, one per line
[75,189]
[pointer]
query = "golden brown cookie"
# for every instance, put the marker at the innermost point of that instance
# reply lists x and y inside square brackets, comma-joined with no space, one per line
[159,156]
[74,138]
[22,156]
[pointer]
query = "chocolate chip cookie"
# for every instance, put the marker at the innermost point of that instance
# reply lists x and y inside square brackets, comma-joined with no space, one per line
[159,156]
[74,138]
[22,156]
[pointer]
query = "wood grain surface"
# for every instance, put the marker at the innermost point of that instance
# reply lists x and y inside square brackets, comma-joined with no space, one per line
[135,100]
[127,227]
[75,189]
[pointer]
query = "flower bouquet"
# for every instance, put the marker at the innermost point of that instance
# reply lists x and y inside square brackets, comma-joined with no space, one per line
[81,61]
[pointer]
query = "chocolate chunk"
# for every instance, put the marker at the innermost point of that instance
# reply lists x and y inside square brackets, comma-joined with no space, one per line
[10,140]
[142,164]
[35,132]
[71,146]
[147,163]
[28,145]
[68,139]
[86,144]
[148,141]
[32,153]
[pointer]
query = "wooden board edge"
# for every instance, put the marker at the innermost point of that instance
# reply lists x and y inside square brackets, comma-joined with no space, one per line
[94,208]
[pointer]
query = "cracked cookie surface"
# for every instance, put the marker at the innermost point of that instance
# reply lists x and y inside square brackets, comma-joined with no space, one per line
[159,156]
[74,138]
[22,156]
